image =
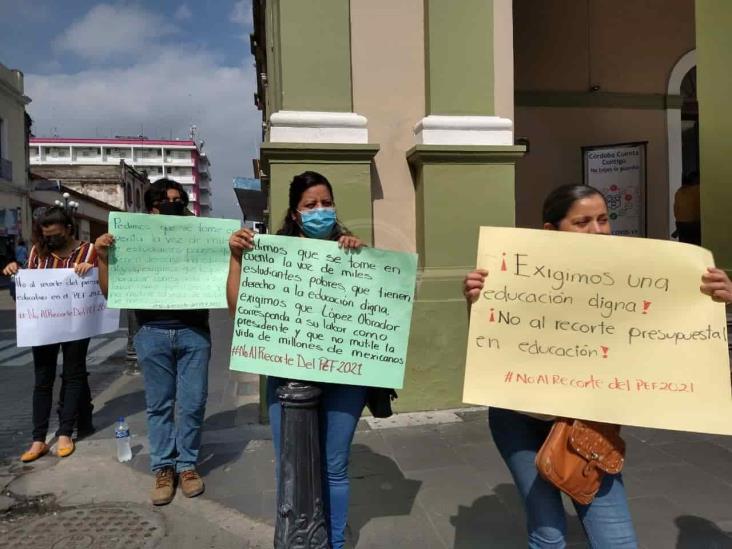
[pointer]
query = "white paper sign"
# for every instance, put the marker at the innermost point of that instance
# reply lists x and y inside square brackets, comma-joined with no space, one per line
[619,172]
[57,305]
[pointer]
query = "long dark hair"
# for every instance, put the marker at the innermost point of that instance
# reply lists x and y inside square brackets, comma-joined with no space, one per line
[300,184]
[560,201]
[55,215]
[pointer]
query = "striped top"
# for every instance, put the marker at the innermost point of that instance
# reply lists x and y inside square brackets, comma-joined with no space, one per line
[83,253]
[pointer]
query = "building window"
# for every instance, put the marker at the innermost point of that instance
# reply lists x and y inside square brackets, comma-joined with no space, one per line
[2,138]
[137,199]
[148,153]
[58,152]
[178,155]
[129,195]
[119,153]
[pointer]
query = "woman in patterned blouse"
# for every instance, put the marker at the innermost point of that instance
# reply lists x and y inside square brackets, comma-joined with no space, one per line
[56,248]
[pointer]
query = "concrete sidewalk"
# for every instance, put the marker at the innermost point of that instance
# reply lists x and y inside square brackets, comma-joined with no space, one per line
[429,480]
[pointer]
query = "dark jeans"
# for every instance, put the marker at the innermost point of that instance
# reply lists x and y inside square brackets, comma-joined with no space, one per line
[606,521]
[75,399]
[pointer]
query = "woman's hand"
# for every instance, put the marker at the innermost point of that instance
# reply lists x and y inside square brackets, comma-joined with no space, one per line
[11,268]
[82,268]
[716,283]
[473,284]
[241,240]
[102,245]
[349,242]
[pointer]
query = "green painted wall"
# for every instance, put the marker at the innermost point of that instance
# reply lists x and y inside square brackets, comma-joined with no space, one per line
[458,190]
[714,88]
[459,57]
[273,91]
[456,199]
[312,55]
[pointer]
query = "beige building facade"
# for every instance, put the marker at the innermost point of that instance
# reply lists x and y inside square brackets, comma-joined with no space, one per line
[432,118]
[99,190]
[14,205]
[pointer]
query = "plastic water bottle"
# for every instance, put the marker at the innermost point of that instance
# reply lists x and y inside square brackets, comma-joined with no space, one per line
[122,435]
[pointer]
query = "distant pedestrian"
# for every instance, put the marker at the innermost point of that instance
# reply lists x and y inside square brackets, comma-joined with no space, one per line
[21,253]
[312,214]
[687,210]
[173,349]
[58,249]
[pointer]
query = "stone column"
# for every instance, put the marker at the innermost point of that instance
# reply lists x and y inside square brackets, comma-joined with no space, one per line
[463,161]
[312,126]
[714,88]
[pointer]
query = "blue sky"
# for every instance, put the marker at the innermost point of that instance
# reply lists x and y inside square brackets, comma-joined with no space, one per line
[122,67]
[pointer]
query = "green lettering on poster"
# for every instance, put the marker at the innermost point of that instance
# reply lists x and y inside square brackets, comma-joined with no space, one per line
[168,262]
[309,310]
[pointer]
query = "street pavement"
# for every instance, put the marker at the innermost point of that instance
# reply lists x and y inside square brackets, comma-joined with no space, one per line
[425,480]
[105,361]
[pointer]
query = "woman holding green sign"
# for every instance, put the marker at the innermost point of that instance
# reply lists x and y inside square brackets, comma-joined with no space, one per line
[520,437]
[311,214]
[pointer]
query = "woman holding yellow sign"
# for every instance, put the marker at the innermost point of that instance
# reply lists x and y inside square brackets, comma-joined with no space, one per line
[583,459]
[312,214]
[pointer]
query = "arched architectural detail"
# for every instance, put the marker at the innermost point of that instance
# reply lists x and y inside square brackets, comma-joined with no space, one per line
[673,126]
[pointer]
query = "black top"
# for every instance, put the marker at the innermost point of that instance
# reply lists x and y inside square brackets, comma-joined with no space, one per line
[173,319]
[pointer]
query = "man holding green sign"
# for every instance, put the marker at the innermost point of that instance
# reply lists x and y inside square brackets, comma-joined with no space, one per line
[166,268]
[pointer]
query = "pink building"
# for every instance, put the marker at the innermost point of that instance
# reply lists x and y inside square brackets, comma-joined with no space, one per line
[181,160]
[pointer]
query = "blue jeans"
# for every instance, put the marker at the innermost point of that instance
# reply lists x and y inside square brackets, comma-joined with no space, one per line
[175,367]
[606,521]
[340,410]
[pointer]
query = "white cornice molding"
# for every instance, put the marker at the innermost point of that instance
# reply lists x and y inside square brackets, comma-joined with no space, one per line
[464,130]
[317,127]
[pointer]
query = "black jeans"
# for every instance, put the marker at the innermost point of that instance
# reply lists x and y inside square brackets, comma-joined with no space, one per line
[75,398]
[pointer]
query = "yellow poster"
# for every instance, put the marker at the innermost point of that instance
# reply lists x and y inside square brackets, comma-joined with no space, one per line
[598,327]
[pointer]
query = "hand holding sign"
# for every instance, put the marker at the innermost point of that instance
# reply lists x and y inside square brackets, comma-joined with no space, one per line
[717,285]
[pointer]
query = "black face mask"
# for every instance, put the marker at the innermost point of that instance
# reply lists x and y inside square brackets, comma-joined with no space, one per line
[54,242]
[171,208]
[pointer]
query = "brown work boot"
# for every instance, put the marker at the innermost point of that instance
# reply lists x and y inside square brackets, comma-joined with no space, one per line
[164,489]
[191,483]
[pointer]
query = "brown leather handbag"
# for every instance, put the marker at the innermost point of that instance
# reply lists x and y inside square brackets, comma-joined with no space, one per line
[577,454]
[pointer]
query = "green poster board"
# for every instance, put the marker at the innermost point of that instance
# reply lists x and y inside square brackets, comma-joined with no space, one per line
[168,262]
[308,310]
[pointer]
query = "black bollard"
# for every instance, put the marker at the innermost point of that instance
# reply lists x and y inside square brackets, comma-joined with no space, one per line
[300,513]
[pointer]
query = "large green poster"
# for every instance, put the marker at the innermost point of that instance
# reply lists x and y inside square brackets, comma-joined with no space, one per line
[309,310]
[168,262]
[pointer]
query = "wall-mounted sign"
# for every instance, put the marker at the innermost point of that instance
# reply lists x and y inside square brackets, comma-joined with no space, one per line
[619,172]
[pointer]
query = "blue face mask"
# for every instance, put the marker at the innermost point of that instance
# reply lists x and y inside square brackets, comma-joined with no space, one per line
[318,223]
